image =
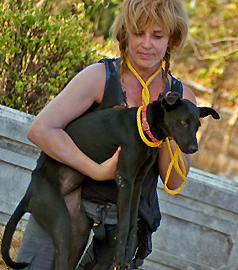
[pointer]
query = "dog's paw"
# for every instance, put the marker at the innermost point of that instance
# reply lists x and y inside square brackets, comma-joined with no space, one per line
[115,266]
[129,266]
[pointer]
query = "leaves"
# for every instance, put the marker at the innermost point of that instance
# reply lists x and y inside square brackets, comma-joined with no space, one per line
[102,14]
[39,52]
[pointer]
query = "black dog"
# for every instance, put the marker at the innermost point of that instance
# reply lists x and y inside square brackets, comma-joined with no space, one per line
[99,134]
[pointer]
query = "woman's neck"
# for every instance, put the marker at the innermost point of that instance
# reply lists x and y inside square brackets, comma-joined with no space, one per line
[133,88]
[144,72]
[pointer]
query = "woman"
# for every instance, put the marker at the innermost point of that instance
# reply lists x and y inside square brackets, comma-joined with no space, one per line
[148,32]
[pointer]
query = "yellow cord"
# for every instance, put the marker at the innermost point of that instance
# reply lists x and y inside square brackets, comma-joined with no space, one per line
[177,154]
[174,162]
[145,91]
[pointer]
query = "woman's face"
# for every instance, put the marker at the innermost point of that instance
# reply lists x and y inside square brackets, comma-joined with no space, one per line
[147,47]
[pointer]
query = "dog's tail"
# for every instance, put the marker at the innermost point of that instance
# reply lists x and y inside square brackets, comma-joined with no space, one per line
[8,234]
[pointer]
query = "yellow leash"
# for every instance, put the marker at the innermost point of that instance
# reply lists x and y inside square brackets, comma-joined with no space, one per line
[174,162]
[145,92]
[177,154]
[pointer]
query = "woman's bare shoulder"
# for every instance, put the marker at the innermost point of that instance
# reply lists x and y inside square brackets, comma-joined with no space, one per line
[80,93]
[188,94]
[91,80]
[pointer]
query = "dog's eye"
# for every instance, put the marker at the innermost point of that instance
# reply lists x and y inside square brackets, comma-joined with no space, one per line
[184,123]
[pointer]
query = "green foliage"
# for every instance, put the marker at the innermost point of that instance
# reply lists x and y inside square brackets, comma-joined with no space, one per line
[210,56]
[39,52]
[102,14]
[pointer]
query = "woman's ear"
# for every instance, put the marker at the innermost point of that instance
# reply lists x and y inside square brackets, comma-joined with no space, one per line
[170,44]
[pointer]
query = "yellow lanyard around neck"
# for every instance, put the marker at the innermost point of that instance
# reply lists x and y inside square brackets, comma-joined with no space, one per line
[145,91]
[177,154]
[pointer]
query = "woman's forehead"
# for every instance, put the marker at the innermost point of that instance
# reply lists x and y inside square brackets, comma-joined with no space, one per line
[153,26]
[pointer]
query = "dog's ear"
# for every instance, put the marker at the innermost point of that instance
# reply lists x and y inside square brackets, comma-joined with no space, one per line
[205,111]
[170,101]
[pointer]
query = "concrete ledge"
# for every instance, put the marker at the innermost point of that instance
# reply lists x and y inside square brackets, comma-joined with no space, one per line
[17,160]
[199,228]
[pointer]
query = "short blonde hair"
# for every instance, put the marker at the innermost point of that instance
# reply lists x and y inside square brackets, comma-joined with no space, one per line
[135,15]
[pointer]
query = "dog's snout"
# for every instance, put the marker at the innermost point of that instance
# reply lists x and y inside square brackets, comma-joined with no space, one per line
[193,149]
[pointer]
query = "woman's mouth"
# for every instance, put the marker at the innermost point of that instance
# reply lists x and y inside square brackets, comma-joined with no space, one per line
[145,55]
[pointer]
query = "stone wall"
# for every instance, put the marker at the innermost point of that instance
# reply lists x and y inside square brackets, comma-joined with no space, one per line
[17,159]
[199,228]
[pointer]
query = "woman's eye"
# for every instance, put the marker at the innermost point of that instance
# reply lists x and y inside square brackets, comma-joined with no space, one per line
[158,36]
[138,34]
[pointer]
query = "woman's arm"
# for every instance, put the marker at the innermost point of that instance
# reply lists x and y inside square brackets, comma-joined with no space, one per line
[175,181]
[47,132]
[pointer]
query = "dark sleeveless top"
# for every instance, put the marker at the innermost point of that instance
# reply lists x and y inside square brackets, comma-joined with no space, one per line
[106,191]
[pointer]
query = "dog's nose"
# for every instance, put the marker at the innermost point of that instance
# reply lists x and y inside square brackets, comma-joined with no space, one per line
[193,149]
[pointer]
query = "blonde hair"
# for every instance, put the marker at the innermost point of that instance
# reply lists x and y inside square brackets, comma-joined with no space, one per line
[136,15]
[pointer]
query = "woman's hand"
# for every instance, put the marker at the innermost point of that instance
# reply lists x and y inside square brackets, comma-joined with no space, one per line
[108,167]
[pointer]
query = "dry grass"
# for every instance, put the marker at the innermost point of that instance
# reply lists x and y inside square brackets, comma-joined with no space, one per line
[16,242]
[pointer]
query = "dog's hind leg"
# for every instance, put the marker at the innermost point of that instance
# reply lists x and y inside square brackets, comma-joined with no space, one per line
[60,231]
[80,227]
[50,211]
[61,239]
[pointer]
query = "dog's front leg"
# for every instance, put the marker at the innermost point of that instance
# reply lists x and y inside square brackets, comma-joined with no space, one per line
[132,235]
[125,189]
[132,239]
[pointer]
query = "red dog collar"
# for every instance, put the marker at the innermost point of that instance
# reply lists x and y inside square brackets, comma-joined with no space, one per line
[146,127]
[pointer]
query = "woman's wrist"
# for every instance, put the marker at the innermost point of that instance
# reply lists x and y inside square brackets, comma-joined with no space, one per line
[107,169]
[103,171]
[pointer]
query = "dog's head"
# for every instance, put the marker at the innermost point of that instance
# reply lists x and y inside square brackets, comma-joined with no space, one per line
[182,120]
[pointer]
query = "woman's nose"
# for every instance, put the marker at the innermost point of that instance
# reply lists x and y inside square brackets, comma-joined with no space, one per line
[147,42]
